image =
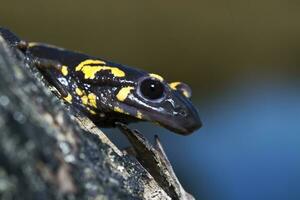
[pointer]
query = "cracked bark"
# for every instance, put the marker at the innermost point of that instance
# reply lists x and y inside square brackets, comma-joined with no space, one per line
[47,153]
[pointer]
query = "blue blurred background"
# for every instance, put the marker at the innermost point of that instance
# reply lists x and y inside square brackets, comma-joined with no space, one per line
[248,148]
[240,57]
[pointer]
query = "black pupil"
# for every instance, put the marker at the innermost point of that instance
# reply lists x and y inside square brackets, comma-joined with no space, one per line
[152,89]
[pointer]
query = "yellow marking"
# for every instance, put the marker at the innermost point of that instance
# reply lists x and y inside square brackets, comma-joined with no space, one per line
[32,44]
[89,62]
[84,100]
[92,100]
[115,71]
[124,92]
[118,109]
[79,92]
[139,115]
[90,71]
[64,70]
[68,98]
[174,85]
[90,67]
[156,76]
[186,94]
[92,112]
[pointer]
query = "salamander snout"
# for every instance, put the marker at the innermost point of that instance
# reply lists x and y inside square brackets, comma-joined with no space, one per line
[185,119]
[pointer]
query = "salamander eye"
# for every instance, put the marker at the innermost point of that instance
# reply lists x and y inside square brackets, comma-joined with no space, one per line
[151,89]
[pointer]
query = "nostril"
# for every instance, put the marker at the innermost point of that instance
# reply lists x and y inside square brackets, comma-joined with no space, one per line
[180,111]
[183,113]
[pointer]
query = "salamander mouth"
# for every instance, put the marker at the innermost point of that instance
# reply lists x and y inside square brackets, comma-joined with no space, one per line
[181,125]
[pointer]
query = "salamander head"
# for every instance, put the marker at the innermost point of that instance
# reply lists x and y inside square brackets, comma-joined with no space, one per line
[150,98]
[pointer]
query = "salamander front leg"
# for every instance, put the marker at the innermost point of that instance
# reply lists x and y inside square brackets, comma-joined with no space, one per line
[43,65]
[46,64]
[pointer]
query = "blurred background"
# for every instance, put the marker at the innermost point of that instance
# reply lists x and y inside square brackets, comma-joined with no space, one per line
[241,58]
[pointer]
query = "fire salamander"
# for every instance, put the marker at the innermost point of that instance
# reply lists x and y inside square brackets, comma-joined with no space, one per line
[108,92]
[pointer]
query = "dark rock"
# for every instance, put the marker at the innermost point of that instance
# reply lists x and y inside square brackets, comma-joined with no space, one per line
[45,153]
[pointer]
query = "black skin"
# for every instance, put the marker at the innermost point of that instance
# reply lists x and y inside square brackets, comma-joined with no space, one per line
[150,98]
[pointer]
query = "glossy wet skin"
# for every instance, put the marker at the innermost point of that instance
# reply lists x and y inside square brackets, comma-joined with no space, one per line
[109,92]
[152,99]
[120,93]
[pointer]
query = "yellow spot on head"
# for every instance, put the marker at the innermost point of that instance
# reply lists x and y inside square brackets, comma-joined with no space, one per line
[84,100]
[174,85]
[156,76]
[90,71]
[124,92]
[115,71]
[78,92]
[139,115]
[186,94]
[181,87]
[64,70]
[92,100]
[89,68]
[68,98]
[89,62]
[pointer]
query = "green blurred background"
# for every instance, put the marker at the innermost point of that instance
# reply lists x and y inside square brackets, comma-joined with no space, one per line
[207,43]
[241,58]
